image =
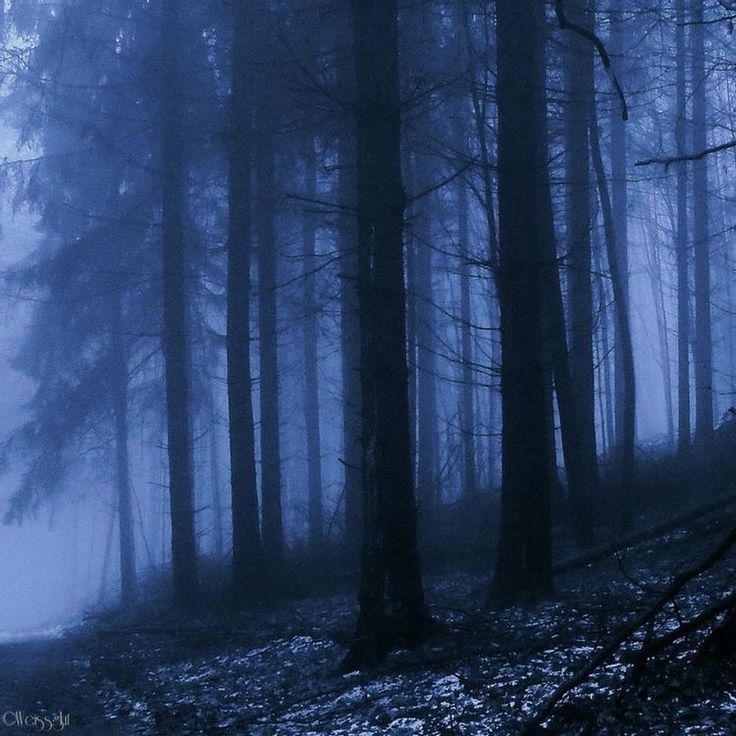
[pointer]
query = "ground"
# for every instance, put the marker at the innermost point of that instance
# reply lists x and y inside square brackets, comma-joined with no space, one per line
[274,670]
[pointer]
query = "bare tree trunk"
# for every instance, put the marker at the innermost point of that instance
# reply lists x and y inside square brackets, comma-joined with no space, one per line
[470,479]
[247,556]
[311,374]
[580,91]
[703,358]
[214,467]
[122,465]
[272,522]
[627,438]
[350,354]
[392,607]
[681,244]
[428,442]
[524,558]
[176,347]
[619,208]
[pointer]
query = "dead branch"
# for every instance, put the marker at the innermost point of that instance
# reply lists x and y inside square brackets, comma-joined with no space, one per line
[608,550]
[667,161]
[566,24]
[640,620]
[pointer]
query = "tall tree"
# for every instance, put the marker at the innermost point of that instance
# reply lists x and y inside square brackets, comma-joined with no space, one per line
[681,238]
[175,342]
[311,370]
[470,480]
[620,214]
[244,498]
[703,354]
[268,257]
[392,606]
[523,563]
[580,91]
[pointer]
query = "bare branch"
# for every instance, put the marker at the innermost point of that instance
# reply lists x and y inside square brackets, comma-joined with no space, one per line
[667,161]
[566,24]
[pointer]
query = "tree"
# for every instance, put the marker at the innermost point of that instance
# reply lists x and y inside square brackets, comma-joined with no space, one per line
[246,533]
[175,313]
[703,357]
[683,257]
[311,372]
[392,607]
[523,563]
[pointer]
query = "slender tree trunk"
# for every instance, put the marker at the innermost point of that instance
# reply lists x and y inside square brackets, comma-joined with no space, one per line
[619,207]
[681,243]
[623,328]
[703,358]
[470,480]
[580,91]
[311,374]
[122,465]
[392,607]
[247,557]
[524,556]
[272,523]
[176,347]
[350,354]
[428,442]
[214,466]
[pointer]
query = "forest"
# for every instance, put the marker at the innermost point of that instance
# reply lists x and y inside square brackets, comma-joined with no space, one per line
[369,367]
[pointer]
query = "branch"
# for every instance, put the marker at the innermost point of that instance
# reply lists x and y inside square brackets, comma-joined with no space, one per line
[614,644]
[667,161]
[566,24]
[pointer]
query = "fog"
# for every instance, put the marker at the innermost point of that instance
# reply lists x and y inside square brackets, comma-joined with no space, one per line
[373,348]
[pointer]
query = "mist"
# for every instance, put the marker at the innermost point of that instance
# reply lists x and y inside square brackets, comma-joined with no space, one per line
[367,367]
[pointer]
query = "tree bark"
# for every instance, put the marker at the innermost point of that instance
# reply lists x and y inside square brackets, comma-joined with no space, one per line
[681,242]
[703,357]
[392,606]
[122,464]
[523,563]
[627,437]
[247,556]
[470,479]
[311,374]
[580,93]
[619,209]
[175,342]
[272,522]
[350,352]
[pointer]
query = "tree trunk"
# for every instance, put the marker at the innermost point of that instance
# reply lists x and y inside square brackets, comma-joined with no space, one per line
[122,465]
[392,607]
[427,432]
[350,354]
[681,243]
[580,91]
[470,480]
[703,357]
[176,347]
[246,534]
[311,374]
[627,438]
[523,563]
[619,207]
[273,533]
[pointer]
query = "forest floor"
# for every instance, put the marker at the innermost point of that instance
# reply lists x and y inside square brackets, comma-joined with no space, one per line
[274,670]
